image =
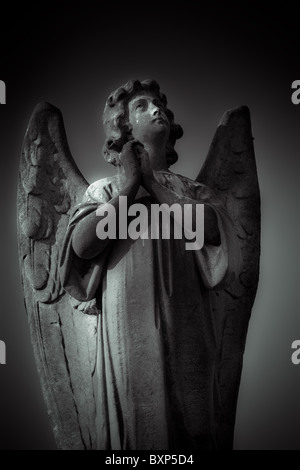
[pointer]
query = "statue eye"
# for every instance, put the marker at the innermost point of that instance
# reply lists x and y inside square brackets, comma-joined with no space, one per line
[140,105]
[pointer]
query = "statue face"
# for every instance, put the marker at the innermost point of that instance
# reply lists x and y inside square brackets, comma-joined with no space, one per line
[147,118]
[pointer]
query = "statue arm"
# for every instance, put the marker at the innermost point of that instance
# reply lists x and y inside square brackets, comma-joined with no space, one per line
[85,242]
[164,195]
[219,259]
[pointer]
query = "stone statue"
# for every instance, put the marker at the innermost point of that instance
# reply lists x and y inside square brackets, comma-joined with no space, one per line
[139,340]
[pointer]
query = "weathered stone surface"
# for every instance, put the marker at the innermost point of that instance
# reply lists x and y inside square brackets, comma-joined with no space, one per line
[156,363]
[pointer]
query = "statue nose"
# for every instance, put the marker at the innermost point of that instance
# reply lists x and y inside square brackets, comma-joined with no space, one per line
[155,110]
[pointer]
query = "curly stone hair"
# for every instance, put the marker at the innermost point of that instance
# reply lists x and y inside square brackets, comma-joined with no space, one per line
[116,123]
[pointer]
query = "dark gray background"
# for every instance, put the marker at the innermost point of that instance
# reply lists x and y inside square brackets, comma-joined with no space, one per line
[207,60]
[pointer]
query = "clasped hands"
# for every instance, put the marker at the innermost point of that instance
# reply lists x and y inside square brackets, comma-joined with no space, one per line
[136,162]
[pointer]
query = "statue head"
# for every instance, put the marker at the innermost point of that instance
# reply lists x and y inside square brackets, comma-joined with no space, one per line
[116,120]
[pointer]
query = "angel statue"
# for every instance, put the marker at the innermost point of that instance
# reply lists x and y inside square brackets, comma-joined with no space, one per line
[139,340]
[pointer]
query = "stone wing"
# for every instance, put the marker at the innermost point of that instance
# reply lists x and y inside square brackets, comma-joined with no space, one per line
[64,340]
[230,169]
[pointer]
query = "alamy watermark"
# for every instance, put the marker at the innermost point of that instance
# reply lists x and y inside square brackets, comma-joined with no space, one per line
[161,216]
[2,92]
[295,358]
[2,352]
[296,94]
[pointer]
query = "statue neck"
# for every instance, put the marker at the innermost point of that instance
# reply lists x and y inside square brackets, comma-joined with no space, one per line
[157,155]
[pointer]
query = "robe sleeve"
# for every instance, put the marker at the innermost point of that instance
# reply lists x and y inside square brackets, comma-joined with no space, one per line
[219,266]
[82,278]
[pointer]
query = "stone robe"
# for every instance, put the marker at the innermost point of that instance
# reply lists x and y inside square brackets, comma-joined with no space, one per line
[156,378]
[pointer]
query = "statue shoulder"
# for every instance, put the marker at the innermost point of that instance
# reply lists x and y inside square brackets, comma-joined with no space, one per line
[103,190]
[182,185]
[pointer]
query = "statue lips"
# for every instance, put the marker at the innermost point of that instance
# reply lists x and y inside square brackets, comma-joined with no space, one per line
[160,120]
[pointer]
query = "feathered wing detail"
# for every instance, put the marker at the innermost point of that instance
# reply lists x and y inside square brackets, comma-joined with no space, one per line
[230,170]
[64,340]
